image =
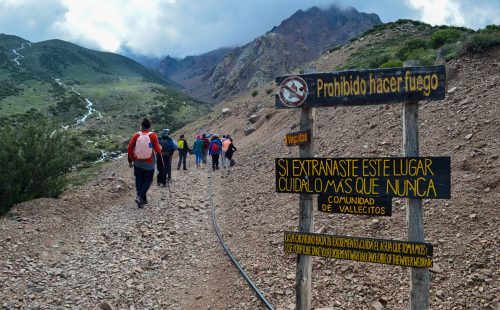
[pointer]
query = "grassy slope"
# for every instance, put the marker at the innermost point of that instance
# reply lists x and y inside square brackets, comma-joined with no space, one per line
[390,44]
[121,89]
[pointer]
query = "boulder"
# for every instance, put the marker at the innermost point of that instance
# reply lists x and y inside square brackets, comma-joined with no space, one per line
[253,118]
[249,130]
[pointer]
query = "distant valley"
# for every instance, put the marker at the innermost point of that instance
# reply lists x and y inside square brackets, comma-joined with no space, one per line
[99,95]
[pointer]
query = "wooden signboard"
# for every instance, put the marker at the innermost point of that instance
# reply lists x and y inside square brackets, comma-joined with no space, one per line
[415,177]
[298,138]
[361,87]
[391,252]
[381,206]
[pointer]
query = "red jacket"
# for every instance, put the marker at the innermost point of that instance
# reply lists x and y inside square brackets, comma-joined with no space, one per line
[131,145]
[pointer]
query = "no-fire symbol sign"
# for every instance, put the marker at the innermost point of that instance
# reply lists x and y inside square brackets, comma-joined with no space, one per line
[293,91]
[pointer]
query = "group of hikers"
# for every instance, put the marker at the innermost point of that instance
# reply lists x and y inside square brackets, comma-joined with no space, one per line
[147,150]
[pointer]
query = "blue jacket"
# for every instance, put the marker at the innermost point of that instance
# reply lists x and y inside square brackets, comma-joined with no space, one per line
[210,147]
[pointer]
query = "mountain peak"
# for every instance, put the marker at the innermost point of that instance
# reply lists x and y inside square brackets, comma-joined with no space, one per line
[297,40]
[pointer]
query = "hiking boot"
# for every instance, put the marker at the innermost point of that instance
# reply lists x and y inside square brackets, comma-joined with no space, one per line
[138,201]
[145,201]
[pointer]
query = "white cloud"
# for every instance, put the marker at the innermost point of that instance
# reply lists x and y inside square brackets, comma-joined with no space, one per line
[467,13]
[439,12]
[191,27]
[107,24]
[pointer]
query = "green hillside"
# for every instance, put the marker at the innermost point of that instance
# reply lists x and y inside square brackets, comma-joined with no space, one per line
[56,78]
[390,44]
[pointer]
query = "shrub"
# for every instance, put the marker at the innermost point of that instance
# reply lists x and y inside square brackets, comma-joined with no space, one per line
[409,46]
[255,93]
[491,28]
[451,50]
[35,159]
[425,56]
[484,39]
[393,63]
[376,61]
[269,91]
[441,37]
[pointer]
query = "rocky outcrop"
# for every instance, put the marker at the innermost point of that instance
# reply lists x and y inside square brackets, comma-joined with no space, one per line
[249,66]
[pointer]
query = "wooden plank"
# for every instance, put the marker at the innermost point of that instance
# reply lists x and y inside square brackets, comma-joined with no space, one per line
[361,87]
[306,221]
[381,251]
[419,277]
[298,138]
[378,206]
[417,177]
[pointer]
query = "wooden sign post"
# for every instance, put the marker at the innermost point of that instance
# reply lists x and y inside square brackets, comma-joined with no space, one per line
[306,220]
[411,177]
[419,277]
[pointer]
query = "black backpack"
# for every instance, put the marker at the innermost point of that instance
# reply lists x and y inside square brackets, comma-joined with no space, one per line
[165,144]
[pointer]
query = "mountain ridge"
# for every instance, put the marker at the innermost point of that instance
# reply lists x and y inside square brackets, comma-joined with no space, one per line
[291,44]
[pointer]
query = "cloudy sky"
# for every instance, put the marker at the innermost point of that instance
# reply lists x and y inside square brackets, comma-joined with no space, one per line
[191,27]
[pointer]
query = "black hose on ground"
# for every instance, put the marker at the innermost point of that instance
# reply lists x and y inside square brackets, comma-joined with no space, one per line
[228,252]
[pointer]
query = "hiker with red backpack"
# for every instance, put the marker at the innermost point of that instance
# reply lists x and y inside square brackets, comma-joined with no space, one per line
[141,153]
[215,149]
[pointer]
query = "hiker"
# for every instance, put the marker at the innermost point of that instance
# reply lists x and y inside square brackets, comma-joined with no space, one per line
[225,145]
[141,149]
[164,159]
[206,143]
[215,149]
[184,149]
[229,153]
[198,147]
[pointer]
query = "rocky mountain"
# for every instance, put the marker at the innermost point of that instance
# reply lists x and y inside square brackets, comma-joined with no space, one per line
[192,72]
[297,40]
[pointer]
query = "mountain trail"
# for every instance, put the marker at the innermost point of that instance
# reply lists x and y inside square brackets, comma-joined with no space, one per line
[94,247]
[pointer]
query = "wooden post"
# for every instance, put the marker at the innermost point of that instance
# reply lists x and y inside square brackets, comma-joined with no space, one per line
[419,277]
[306,220]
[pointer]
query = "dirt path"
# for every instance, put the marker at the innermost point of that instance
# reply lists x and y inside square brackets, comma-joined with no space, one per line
[93,248]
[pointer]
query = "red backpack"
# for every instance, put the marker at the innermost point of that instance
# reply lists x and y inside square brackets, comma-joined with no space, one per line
[215,148]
